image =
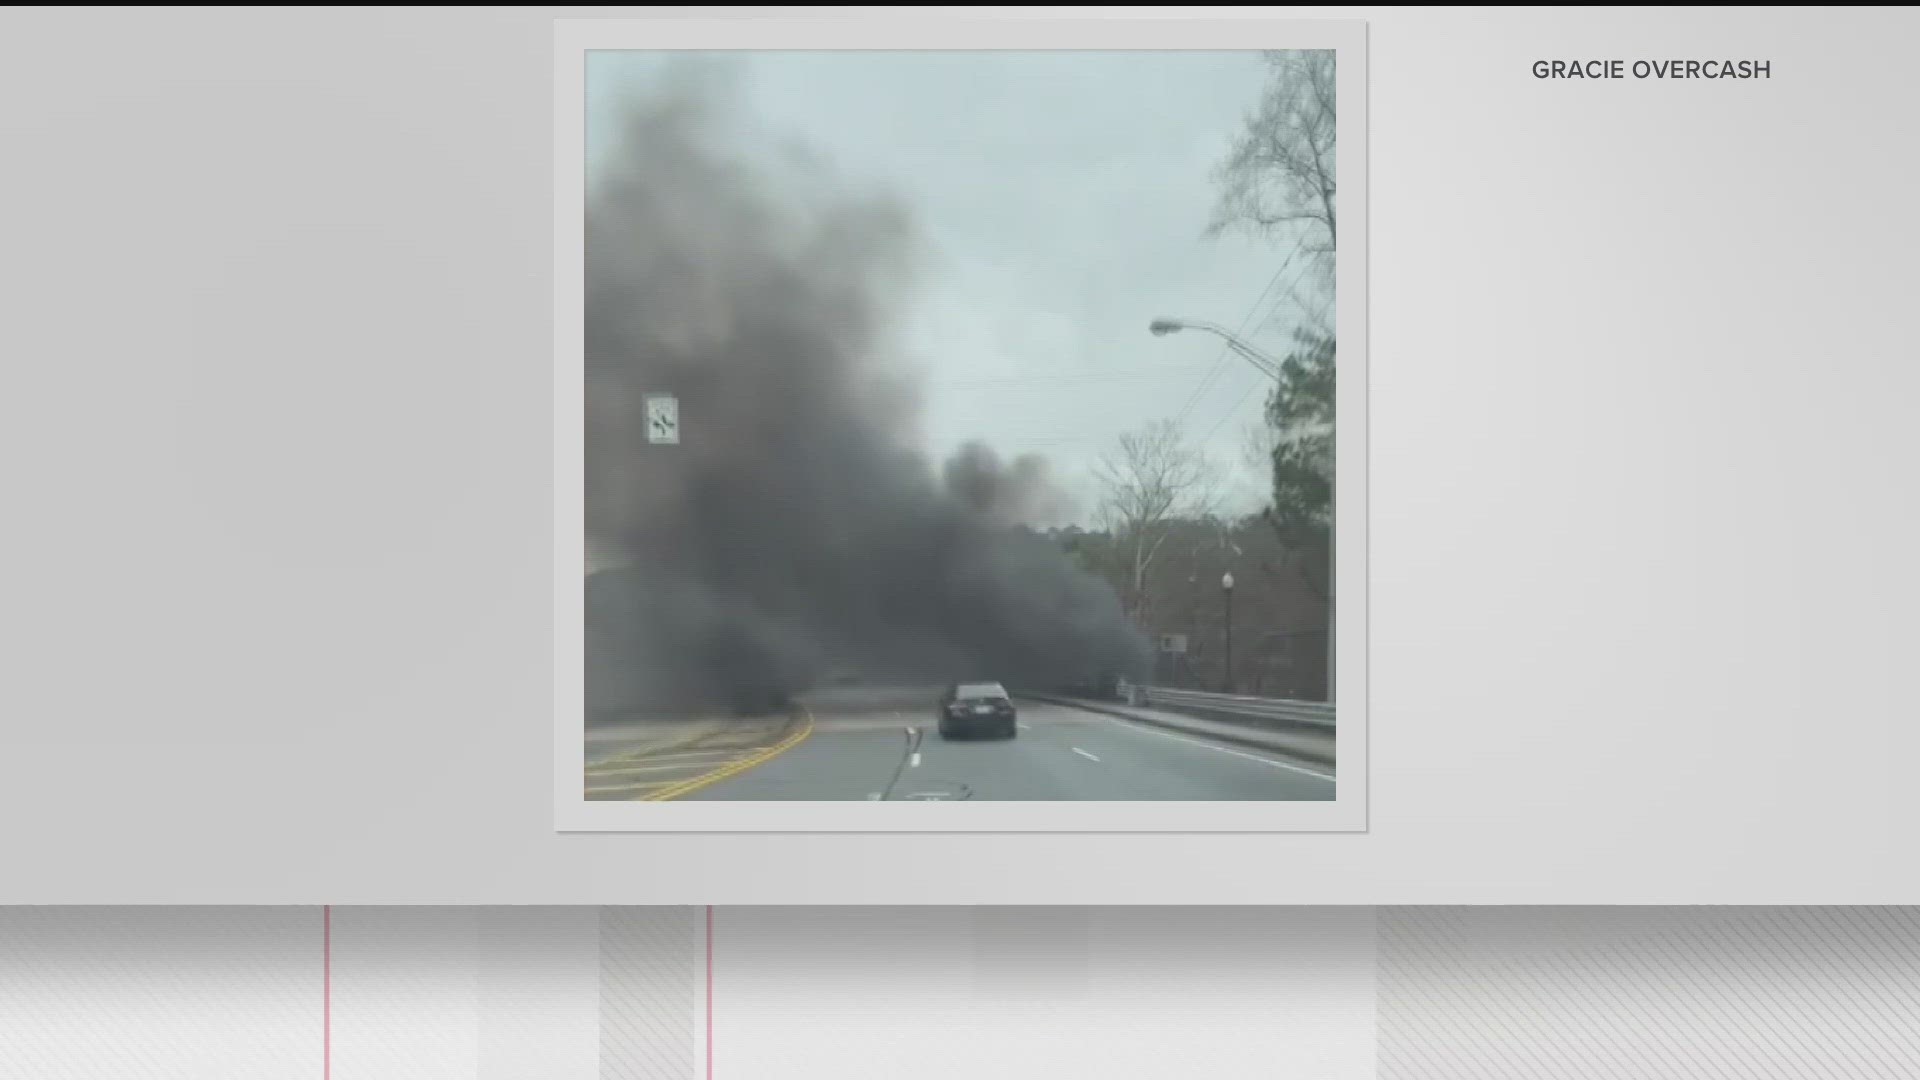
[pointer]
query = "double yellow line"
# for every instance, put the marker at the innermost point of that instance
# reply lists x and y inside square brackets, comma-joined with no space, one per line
[737,766]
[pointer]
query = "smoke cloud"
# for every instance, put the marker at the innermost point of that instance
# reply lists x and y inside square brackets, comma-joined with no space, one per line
[795,530]
[1015,493]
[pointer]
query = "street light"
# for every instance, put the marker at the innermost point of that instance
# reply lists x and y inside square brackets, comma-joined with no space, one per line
[1271,368]
[1226,589]
[1266,363]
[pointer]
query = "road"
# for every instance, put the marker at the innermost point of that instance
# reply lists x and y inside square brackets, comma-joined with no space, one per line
[861,751]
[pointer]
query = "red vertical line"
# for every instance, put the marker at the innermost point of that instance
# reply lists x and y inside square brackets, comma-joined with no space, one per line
[709,992]
[326,992]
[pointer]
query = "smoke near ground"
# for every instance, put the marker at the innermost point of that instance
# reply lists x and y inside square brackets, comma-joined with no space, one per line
[795,531]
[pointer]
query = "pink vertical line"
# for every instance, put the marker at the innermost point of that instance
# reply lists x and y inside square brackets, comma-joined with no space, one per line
[326,992]
[709,992]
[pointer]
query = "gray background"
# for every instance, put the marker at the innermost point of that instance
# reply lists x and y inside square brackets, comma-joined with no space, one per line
[618,993]
[276,430]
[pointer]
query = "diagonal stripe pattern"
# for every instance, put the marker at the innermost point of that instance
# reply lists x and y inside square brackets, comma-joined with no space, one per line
[651,973]
[161,993]
[1647,993]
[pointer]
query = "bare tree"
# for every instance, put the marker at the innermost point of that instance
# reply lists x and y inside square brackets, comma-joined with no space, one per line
[1279,174]
[1258,440]
[1277,181]
[1152,481]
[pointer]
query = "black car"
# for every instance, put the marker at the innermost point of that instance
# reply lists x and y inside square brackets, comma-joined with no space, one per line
[977,709]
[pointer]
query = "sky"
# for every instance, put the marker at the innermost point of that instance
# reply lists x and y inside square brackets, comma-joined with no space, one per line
[1062,199]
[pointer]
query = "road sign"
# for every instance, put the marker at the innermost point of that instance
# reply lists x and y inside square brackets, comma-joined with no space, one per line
[1173,643]
[663,419]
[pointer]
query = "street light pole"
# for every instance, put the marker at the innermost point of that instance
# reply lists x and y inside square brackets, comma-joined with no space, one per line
[1271,367]
[1254,356]
[1226,587]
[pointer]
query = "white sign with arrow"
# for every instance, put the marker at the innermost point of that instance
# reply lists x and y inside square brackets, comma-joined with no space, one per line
[663,419]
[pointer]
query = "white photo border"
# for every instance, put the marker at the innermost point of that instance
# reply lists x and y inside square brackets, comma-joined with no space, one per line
[988,30]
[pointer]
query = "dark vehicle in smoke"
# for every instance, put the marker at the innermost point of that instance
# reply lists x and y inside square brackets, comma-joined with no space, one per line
[975,708]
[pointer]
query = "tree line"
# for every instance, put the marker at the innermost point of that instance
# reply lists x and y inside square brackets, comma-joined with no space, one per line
[1160,538]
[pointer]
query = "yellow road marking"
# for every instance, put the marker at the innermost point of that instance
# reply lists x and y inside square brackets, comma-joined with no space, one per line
[681,761]
[644,755]
[671,766]
[735,768]
[609,792]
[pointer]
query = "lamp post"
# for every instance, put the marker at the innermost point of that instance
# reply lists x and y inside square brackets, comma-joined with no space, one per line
[1188,675]
[1271,367]
[1226,590]
[1259,359]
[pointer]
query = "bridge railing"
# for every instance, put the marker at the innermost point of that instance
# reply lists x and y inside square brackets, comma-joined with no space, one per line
[1264,712]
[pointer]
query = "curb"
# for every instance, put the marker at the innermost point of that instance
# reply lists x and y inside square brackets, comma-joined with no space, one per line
[1241,740]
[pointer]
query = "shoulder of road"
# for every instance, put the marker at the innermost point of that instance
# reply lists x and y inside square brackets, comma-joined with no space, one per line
[1316,747]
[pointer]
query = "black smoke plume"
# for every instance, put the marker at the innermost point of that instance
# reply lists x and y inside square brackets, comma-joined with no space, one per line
[794,531]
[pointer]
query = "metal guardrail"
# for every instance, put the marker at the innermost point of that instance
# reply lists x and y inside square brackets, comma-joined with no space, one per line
[1275,711]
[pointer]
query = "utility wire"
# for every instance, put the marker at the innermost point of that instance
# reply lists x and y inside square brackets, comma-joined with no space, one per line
[1229,414]
[1226,350]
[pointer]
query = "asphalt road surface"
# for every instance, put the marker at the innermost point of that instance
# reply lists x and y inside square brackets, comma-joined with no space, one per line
[1060,753]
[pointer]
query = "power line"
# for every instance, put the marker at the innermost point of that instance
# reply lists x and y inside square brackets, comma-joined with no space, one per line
[1251,387]
[1051,381]
[1219,362]
[1228,415]
[1072,379]
[1226,348]
[1047,382]
[1057,440]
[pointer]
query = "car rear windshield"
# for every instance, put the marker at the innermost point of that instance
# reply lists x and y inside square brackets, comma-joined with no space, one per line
[973,691]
